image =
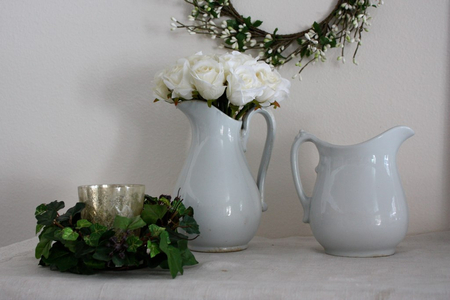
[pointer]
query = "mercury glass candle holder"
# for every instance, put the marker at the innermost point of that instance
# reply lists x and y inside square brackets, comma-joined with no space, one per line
[105,201]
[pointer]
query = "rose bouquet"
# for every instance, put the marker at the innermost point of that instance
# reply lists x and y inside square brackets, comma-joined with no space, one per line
[232,82]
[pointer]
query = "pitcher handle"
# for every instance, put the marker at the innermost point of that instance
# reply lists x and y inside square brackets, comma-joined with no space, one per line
[270,138]
[301,138]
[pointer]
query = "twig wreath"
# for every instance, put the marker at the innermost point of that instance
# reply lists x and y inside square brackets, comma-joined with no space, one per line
[345,25]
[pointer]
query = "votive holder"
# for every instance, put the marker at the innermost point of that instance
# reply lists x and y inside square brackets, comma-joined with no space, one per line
[105,201]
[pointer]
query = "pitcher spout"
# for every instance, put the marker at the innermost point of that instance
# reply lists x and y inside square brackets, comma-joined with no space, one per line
[396,135]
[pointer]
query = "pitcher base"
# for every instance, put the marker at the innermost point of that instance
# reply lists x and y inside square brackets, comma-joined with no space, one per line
[362,254]
[217,249]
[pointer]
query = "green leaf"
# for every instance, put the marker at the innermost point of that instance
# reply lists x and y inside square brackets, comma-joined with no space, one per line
[47,217]
[189,225]
[102,253]
[149,199]
[71,212]
[95,264]
[43,248]
[97,232]
[98,228]
[248,21]
[39,228]
[40,209]
[125,223]
[164,200]
[154,249]
[83,223]
[61,258]
[133,243]
[317,28]
[164,240]
[49,233]
[155,230]
[121,222]
[232,23]
[55,205]
[173,255]
[324,41]
[117,261]
[187,257]
[257,23]
[69,235]
[136,223]
[152,213]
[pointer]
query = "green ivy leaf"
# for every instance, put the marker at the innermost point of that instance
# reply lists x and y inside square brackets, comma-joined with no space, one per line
[83,223]
[125,223]
[164,240]
[152,213]
[39,228]
[189,225]
[154,248]
[133,243]
[55,205]
[121,222]
[95,264]
[69,235]
[40,209]
[165,201]
[187,257]
[155,230]
[47,217]
[173,254]
[71,212]
[98,228]
[43,248]
[136,223]
[61,258]
[97,232]
[102,253]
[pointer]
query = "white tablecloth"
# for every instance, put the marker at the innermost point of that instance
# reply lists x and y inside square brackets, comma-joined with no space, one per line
[287,268]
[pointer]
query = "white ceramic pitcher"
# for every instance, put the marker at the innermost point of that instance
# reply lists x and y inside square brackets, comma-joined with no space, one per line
[358,206]
[216,180]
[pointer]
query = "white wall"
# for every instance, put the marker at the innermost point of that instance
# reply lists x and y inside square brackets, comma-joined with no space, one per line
[76,103]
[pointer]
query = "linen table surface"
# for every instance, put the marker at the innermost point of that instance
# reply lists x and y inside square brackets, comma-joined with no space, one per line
[285,268]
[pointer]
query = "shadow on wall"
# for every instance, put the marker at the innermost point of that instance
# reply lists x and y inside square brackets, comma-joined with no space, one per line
[145,134]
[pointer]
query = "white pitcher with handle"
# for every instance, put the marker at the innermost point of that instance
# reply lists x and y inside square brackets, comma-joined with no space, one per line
[358,206]
[216,180]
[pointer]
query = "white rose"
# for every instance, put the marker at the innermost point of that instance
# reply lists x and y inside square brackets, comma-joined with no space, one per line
[208,77]
[160,90]
[243,85]
[277,87]
[178,79]
[234,59]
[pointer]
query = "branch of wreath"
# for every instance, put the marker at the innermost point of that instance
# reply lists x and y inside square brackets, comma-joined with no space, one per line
[344,26]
